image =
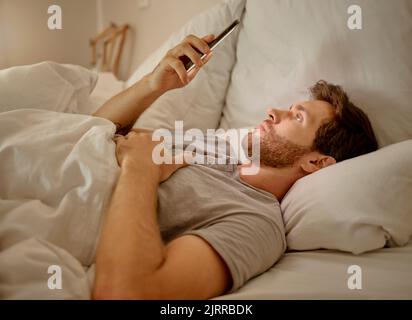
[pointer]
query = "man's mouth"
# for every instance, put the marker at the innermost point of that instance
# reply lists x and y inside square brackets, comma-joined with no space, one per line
[263,126]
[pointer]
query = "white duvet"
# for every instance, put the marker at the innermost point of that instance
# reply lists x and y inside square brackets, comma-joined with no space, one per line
[57,172]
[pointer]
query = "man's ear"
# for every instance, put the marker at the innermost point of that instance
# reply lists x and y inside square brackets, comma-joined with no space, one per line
[314,161]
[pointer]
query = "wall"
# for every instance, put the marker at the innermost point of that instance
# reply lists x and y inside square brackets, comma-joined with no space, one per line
[25,37]
[3,57]
[150,26]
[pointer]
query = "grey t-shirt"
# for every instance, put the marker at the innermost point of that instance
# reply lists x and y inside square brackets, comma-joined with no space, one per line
[242,223]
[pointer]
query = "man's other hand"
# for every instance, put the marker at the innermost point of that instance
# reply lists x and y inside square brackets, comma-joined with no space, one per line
[170,73]
[134,151]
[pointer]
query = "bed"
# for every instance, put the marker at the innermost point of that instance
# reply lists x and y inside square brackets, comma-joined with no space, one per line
[297,44]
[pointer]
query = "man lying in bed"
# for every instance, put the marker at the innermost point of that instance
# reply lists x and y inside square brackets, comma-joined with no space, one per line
[208,229]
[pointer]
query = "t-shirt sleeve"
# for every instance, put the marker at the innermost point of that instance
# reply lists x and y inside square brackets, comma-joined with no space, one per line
[248,243]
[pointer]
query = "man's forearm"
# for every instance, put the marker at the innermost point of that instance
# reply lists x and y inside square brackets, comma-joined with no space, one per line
[127,106]
[131,248]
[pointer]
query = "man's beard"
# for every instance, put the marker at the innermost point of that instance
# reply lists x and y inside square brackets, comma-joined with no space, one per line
[276,151]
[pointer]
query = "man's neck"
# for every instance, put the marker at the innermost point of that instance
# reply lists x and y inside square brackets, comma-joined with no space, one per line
[276,181]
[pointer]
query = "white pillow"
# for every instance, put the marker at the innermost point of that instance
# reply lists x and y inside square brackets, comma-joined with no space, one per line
[357,205]
[285,46]
[106,87]
[200,103]
[47,85]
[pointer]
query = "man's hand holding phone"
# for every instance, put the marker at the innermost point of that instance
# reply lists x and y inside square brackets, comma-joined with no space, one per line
[171,73]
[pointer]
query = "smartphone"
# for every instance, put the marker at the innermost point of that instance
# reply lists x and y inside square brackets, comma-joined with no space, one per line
[189,65]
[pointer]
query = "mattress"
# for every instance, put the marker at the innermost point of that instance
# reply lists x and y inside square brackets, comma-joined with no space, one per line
[323,274]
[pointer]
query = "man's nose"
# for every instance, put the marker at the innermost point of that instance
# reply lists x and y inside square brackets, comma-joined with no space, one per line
[274,114]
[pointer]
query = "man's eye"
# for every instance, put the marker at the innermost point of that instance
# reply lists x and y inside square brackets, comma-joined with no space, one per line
[299,117]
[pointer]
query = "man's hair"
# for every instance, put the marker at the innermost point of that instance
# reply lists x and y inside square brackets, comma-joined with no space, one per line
[349,134]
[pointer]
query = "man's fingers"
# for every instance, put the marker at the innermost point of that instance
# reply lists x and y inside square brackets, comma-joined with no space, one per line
[207,58]
[193,48]
[194,56]
[140,130]
[178,66]
[192,73]
[202,46]
[198,43]
[117,137]
[209,38]
[131,133]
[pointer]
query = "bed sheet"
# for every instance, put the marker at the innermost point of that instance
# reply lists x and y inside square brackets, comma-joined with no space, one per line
[57,176]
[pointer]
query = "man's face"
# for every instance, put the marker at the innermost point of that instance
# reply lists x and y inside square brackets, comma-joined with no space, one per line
[287,135]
